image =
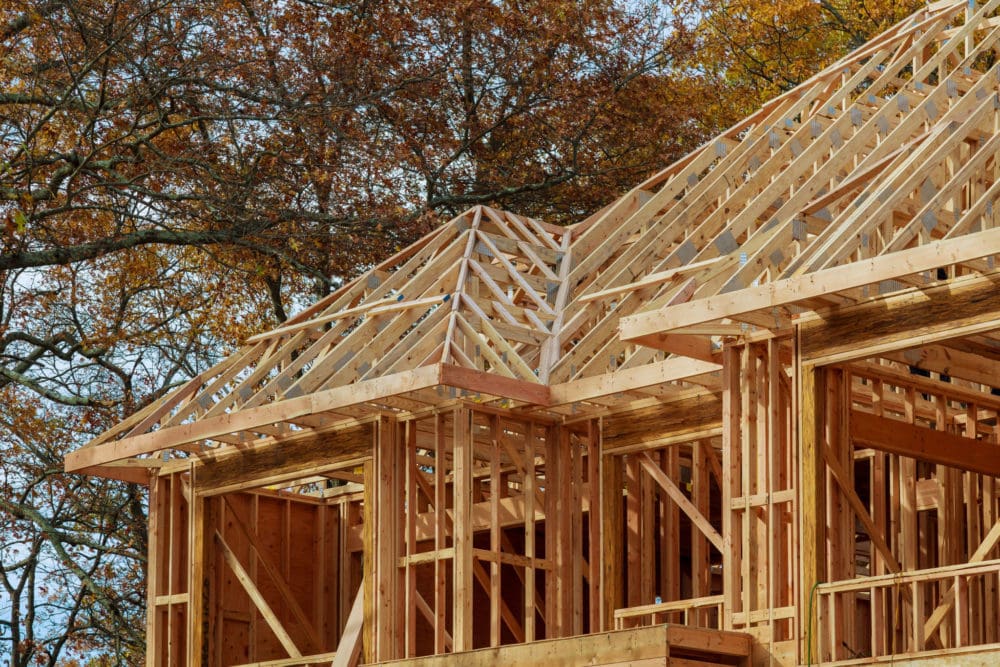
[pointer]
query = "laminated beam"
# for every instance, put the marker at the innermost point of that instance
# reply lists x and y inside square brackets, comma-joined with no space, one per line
[961,307]
[669,422]
[282,459]
[668,370]
[924,444]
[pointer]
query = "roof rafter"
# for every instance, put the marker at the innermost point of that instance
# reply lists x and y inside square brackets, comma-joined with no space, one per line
[873,180]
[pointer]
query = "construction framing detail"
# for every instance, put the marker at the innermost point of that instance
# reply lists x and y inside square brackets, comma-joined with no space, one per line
[749,413]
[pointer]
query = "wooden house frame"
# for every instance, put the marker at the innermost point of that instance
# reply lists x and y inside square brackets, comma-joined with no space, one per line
[747,413]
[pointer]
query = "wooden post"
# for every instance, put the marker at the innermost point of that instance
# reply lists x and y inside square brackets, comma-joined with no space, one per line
[388,538]
[594,523]
[409,538]
[774,450]
[632,554]
[529,533]
[611,533]
[496,594]
[908,515]
[440,534]
[879,508]
[991,590]
[196,573]
[648,540]
[574,588]
[839,516]
[368,566]
[153,567]
[558,531]
[742,468]
[812,515]
[701,573]
[347,514]
[731,586]
[462,537]
[672,514]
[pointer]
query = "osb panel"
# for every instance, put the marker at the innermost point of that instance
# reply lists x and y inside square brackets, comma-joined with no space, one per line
[289,534]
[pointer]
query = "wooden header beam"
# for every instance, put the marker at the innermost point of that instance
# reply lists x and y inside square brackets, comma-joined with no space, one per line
[898,437]
[917,316]
[438,375]
[247,420]
[783,293]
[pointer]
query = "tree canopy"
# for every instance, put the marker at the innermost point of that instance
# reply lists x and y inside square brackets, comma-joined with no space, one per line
[177,174]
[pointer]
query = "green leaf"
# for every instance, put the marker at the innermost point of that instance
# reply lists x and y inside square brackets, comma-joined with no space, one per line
[20,221]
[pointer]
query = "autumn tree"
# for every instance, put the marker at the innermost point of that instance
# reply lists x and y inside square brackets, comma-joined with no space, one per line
[756,50]
[176,174]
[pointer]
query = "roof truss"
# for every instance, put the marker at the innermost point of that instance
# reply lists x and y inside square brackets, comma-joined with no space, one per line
[874,179]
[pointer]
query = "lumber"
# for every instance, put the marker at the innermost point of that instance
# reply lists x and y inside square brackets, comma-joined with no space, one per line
[349,648]
[960,307]
[678,497]
[273,572]
[813,529]
[924,444]
[789,291]
[255,417]
[284,458]
[756,394]
[938,615]
[669,370]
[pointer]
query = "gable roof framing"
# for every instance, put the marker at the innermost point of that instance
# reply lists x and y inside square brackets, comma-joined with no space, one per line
[876,177]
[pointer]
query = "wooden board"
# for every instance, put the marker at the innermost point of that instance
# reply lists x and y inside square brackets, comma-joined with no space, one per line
[288,458]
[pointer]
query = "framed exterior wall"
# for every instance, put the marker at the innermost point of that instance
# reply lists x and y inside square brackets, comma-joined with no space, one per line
[760,480]
[300,559]
[470,527]
[274,574]
[280,572]
[168,573]
[670,544]
[910,514]
[496,549]
[661,509]
[484,537]
[900,432]
[699,505]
